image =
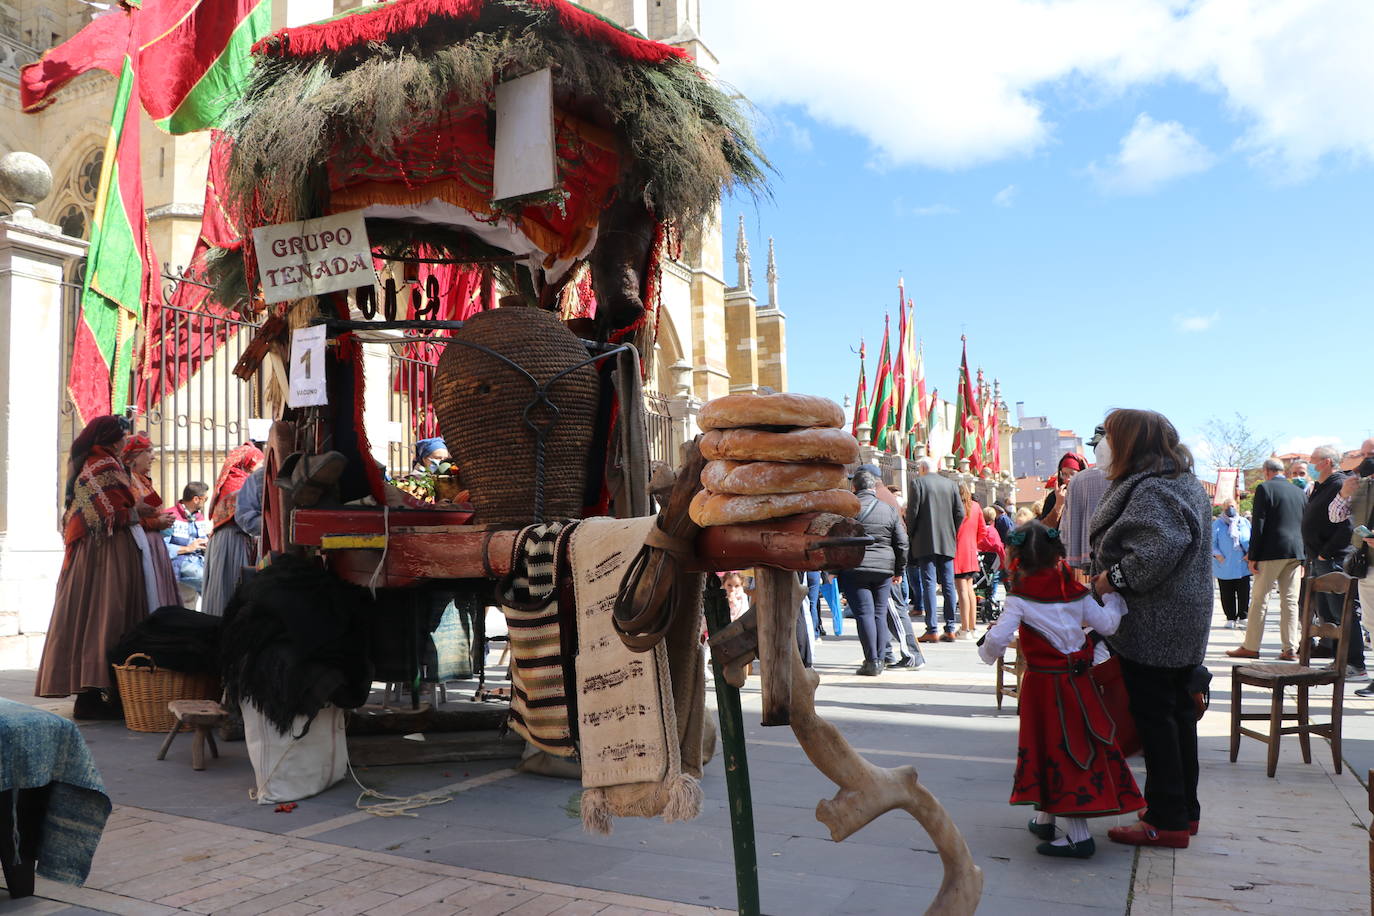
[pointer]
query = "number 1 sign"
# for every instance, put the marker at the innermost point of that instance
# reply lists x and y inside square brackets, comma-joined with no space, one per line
[307,368]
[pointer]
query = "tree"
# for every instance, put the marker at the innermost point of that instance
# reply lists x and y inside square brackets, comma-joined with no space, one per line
[1233,444]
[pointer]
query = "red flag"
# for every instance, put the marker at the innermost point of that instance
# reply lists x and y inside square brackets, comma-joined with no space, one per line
[459,290]
[882,393]
[101,45]
[176,345]
[966,417]
[901,367]
[860,396]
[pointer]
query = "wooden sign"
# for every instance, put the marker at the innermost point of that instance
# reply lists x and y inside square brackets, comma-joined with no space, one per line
[313,256]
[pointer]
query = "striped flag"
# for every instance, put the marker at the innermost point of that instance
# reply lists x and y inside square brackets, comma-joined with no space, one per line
[882,392]
[860,396]
[191,57]
[120,267]
[931,415]
[917,407]
[966,418]
[900,368]
[186,62]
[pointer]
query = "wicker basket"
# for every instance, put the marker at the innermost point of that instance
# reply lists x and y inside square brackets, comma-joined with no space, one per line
[481,403]
[145,691]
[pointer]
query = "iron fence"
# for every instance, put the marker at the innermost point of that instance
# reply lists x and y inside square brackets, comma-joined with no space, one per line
[661,435]
[191,405]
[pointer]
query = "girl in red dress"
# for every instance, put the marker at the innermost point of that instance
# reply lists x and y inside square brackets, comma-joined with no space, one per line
[1068,764]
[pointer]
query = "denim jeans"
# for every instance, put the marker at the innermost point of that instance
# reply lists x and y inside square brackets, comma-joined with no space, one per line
[867,595]
[943,568]
[1329,607]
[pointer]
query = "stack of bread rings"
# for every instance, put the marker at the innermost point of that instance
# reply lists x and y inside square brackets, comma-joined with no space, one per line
[771,456]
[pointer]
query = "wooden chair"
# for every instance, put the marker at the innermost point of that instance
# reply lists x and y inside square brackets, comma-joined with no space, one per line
[1015,668]
[1277,677]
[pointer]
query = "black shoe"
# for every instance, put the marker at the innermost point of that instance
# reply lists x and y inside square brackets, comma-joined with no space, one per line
[911,662]
[870,669]
[1043,831]
[1083,850]
[91,705]
[1365,692]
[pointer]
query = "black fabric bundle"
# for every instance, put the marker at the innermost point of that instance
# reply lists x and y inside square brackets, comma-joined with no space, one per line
[174,638]
[295,639]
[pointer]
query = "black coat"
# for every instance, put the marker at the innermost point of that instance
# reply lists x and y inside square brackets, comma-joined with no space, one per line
[888,552]
[934,513]
[1321,536]
[1276,522]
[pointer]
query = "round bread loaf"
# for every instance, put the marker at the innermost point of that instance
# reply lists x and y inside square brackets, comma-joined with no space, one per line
[709,509]
[752,478]
[833,446]
[782,409]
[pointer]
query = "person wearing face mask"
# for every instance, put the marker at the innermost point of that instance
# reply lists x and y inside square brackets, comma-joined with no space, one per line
[1354,505]
[429,454]
[1297,476]
[1084,493]
[1230,544]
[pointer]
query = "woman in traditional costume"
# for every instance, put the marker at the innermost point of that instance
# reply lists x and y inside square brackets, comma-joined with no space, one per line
[100,591]
[1068,764]
[236,520]
[159,581]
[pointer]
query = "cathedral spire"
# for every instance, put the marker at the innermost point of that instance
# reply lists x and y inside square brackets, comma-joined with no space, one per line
[772,276]
[746,276]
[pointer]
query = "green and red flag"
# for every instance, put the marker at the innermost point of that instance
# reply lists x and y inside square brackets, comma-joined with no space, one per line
[882,392]
[860,396]
[931,415]
[900,368]
[966,420]
[191,57]
[917,408]
[120,268]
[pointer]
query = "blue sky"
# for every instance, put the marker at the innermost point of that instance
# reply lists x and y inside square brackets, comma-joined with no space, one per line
[1128,211]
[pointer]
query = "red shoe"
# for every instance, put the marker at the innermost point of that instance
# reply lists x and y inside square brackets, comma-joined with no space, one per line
[946,637]
[1287,656]
[1242,652]
[1192,825]
[928,637]
[1141,833]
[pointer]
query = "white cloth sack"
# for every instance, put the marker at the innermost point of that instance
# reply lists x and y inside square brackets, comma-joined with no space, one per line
[288,768]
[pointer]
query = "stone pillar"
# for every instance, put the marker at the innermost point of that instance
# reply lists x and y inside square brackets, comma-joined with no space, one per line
[33,258]
[684,409]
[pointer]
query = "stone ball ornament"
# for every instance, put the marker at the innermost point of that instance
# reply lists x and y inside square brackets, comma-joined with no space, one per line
[24,177]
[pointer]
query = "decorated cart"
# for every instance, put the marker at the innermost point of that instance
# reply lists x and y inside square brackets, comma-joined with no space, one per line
[493,184]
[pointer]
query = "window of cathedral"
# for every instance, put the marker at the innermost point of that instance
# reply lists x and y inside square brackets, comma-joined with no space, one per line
[88,174]
[73,221]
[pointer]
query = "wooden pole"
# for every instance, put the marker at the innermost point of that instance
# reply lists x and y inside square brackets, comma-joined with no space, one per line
[736,761]
[776,600]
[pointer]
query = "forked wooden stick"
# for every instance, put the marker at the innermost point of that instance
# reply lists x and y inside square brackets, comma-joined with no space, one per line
[868,791]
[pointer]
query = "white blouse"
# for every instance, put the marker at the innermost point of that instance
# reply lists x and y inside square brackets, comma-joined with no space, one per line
[1060,623]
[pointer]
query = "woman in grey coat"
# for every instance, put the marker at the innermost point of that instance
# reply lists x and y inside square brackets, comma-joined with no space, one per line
[866,587]
[1151,541]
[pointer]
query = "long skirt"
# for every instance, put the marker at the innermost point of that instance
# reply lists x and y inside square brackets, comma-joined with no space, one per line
[100,597]
[158,579]
[225,557]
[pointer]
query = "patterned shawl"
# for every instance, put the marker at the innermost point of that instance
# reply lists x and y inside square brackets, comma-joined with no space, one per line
[102,498]
[240,463]
[141,484]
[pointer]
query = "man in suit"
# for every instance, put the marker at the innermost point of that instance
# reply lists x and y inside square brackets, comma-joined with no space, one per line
[933,515]
[1275,555]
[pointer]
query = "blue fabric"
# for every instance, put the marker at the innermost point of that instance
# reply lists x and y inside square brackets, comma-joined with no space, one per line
[38,748]
[830,592]
[426,447]
[1232,564]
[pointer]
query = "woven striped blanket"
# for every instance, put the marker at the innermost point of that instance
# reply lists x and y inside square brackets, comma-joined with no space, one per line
[539,703]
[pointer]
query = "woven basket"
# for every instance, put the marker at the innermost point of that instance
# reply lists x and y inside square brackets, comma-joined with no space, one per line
[480,402]
[146,691]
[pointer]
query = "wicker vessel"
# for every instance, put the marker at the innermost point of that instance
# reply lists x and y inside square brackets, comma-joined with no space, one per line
[145,691]
[482,403]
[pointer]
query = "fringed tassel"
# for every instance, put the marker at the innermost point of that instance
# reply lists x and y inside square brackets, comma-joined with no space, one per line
[596,812]
[685,798]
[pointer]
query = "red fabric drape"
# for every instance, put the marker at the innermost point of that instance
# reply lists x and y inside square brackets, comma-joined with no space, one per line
[460,295]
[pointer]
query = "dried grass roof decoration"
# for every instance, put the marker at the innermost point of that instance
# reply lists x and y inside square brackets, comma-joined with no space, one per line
[366,79]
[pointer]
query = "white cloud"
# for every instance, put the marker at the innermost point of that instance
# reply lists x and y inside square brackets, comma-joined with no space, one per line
[1152,154]
[1005,197]
[1193,324]
[935,210]
[953,85]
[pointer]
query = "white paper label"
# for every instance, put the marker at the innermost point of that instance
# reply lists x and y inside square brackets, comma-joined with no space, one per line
[313,256]
[307,368]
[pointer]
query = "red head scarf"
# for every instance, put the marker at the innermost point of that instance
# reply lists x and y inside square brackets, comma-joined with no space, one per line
[141,484]
[241,462]
[136,444]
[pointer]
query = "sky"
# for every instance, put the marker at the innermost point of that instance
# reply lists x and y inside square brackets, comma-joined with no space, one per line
[1122,203]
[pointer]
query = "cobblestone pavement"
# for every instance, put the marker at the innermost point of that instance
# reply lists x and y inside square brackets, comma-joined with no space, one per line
[510,843]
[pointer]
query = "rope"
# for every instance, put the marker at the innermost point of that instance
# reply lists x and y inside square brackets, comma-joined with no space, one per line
[392,805]
[381,563]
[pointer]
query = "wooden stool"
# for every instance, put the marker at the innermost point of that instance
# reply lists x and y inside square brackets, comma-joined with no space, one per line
[203,715]
[1016,667]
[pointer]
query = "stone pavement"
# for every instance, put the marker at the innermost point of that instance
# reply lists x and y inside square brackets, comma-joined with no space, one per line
[511,843]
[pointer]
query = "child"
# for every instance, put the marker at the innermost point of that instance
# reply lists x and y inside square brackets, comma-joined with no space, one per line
[1067,763]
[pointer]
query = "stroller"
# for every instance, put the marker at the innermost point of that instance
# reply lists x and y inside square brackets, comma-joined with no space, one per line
[985,587]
